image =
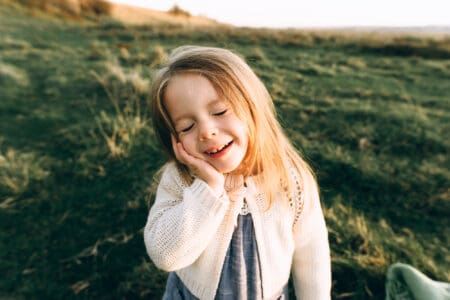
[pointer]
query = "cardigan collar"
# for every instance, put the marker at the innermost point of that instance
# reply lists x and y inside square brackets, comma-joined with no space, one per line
[238,188]
[234,183]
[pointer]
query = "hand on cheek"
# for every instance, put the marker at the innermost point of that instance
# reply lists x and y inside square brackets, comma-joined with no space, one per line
[199,167]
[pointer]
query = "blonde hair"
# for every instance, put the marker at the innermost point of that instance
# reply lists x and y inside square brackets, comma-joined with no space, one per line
[270,154]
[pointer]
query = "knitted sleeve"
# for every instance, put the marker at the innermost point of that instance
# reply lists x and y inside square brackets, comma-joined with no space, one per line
[182,221]
[311,266]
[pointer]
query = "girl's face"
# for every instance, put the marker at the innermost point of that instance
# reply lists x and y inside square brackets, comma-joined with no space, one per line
[205,123]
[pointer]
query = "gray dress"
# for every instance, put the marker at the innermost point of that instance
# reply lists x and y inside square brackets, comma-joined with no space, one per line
[241,274]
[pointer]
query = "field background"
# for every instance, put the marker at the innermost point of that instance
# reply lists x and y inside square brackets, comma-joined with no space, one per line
[369,111]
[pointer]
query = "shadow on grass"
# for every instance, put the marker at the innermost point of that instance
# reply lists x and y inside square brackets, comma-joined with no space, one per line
[81,229]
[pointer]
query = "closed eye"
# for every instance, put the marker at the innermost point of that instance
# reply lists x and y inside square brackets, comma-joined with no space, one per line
[221,112]
[186,129]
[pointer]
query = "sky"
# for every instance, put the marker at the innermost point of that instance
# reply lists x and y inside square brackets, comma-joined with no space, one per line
[312,13]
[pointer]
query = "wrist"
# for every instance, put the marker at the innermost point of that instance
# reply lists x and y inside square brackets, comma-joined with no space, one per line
[217,189]
[217,184]
[219,193]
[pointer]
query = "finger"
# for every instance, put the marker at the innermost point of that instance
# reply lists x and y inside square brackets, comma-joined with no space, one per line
[181,154]
[184,156]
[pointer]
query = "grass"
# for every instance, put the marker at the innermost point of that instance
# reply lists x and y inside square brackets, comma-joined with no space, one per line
[370,112]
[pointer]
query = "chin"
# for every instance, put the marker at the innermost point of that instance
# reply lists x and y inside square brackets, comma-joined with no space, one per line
[228,169]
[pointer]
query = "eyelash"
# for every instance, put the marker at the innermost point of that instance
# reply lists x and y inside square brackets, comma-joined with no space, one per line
[187,128]
[220,113]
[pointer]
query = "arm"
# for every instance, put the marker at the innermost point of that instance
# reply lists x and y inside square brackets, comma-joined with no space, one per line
[182,221]
[311,265]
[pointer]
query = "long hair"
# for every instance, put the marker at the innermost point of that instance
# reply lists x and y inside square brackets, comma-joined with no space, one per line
[270,154]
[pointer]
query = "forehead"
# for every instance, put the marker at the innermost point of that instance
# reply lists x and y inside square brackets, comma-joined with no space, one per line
[188,91]
[188,85]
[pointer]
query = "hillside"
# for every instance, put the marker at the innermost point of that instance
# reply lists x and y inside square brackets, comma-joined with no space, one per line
[140,16]
[370,112]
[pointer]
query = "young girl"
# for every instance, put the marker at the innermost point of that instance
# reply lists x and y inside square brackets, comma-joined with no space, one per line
[236,209]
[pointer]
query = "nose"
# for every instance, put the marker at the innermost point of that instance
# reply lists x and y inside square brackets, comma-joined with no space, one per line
[208,130]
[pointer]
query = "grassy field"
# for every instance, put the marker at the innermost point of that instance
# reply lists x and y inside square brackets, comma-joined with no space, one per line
[77,154]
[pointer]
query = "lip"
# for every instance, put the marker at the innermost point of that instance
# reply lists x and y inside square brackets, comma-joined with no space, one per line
[219,153]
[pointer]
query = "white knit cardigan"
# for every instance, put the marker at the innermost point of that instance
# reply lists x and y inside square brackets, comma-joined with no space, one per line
[189,229]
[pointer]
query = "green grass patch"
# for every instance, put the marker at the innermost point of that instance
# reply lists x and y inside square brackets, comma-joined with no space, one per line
[77,154]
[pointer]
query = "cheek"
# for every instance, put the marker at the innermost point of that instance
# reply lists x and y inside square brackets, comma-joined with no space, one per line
[243,133]
[188,144]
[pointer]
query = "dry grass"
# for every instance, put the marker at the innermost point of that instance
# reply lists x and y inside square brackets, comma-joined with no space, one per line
[177,11]
[10,73]
[158,56]
[129,118]
[140,16]
[17,170]
[97,7]
[70,7]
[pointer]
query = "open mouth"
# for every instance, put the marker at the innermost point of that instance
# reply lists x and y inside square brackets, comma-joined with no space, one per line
[219,150]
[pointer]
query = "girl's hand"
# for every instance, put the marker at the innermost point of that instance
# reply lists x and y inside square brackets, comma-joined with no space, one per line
[199,167]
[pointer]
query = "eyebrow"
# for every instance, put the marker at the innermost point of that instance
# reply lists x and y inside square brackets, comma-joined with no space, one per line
[212,103]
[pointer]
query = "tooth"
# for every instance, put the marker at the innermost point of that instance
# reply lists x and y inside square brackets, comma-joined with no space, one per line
[217,150]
